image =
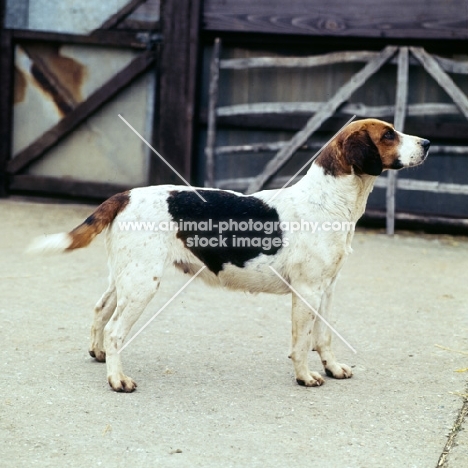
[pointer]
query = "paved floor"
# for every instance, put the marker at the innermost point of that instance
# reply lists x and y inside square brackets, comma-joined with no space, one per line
[215,385]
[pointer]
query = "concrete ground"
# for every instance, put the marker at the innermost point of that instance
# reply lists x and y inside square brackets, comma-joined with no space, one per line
[215,385]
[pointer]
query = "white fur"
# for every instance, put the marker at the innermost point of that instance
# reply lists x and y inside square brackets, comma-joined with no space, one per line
[49,243]
[412,152]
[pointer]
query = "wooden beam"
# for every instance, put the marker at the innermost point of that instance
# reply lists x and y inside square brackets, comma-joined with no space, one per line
[110,38]
[449,65]
[459,98]
[437,127]
[179,59]
[401,101]
[297,62]
[419,19]
[324,113]
[120,15]
[258,148]
[6,101]
[212,103]
[56,186]
[425,220]
[83,111]
[432,186]
[263,109]
[241,183]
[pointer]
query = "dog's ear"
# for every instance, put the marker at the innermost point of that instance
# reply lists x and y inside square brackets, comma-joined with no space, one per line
[361,153]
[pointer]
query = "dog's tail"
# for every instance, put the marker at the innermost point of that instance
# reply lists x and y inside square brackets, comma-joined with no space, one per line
[83,234]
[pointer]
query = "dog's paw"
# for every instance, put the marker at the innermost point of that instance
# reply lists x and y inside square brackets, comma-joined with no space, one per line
[98,355]
[122,383]
[313,379]
[338,371]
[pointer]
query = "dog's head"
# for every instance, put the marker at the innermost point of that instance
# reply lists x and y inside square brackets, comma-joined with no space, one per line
[371,146]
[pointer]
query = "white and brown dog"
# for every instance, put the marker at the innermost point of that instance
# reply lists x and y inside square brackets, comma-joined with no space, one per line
[335,189]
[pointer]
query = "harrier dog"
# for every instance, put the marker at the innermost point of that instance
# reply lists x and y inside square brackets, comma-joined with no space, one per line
[207,226]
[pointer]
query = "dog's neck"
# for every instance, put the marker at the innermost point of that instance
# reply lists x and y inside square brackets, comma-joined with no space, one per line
[343,196]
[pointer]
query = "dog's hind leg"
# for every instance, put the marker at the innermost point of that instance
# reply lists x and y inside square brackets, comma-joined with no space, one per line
[102,313]
[135,290]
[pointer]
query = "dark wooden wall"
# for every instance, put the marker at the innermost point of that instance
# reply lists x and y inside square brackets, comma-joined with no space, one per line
[309,27]
[418,19]
[6,97]
[180,21]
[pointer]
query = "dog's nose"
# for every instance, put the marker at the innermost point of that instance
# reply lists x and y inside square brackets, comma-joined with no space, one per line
[425,144]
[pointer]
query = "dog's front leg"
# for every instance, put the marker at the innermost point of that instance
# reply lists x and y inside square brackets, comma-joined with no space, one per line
[322,337]
[303,319]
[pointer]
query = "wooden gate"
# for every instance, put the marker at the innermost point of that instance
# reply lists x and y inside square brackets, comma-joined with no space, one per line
[62,82]
[437,67]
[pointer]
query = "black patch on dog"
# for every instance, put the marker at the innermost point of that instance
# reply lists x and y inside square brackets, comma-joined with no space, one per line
[199,224]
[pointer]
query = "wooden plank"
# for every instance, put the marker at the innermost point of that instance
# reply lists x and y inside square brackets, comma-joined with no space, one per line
[425,186]
[448,65]
[70,187]
[241,183]
[276,146]
[297,62]
[399,123]
[449,149]
[81,112]
[108,38]
[264,147]
[359,109]
[441,221]
[445,82]
[174,135]
[212,103]
[120,15]
[324,113]
[452,66]
[6,103]
[438,127]
[419,19]
[401,99]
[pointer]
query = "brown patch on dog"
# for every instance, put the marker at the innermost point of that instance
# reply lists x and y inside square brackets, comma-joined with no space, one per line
[82,235]
[331,160]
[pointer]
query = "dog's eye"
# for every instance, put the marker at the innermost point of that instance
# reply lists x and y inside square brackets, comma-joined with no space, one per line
[389,135]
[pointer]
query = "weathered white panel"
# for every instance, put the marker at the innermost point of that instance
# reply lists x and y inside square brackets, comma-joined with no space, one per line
[104,149]
[37,112]
[70,16]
